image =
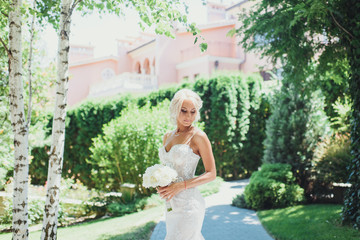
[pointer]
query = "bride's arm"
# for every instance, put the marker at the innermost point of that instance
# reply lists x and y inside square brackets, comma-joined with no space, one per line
[204,147]
[202,142]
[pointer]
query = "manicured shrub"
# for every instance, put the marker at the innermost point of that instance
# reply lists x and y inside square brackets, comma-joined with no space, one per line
[251,154]
[35,211]
[239,201]
[225,114]
[120,209]
[293,130]
[83,123]
[113,204]
[330,165]
[332,159]
[273,186]
[233,114]
[129,144]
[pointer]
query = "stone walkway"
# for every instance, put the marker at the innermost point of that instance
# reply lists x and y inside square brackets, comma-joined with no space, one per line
[223,221]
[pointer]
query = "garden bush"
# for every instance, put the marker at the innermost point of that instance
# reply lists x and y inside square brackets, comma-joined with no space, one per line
[35,212]
[115,205]
[273,186]
[239,201]
[83,122]
[156,97]
[332,159]
[296,125]
[233,113]
[225,114]
[251,154]
[99,205]
[330,165]
[129,144]
[341,123]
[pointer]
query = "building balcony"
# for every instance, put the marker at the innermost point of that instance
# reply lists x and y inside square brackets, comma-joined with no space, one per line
[124,83]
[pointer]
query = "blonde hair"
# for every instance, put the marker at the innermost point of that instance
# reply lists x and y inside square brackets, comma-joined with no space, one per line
[177,101]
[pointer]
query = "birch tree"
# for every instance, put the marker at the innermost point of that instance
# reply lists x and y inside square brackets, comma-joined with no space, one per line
[160,13]
[17,115]
[49,230]
[20,127]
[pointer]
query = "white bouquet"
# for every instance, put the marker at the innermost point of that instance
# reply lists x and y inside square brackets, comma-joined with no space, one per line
[159,176]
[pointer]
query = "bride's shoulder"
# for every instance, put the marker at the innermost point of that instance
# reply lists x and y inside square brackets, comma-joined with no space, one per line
[200,135]
[166,135]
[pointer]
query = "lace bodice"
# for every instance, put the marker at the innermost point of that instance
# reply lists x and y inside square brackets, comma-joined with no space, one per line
[184,221]
[181,158]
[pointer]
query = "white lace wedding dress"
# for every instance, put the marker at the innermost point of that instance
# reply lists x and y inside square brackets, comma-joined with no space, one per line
[184,221]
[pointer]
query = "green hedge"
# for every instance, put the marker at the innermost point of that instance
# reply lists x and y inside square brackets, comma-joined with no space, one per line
[82,124]
[35,212]
[128,146]
[273,186]
[225,113]
[294,129]
[250,156]
[234,114]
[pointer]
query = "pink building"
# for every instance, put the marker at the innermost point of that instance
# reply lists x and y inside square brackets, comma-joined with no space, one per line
[148,62]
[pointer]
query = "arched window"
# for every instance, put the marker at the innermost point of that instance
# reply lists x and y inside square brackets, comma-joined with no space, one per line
[147,66]
[153,66]
[138,67]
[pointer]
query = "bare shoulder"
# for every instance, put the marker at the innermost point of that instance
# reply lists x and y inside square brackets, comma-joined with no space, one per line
[201,144]
[166,135]
[200,137]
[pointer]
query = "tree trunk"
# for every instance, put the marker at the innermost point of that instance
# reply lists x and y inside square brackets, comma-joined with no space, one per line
[20,128]
[49,230]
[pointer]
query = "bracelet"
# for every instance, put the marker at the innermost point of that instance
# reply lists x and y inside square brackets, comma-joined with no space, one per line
[185,184]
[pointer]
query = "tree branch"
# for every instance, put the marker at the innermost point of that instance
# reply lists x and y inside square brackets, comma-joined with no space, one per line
[7,50]
[76,2]
[341,27]
[29,68]
[6,15]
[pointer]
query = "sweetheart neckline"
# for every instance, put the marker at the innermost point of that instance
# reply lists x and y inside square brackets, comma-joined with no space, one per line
[180,144]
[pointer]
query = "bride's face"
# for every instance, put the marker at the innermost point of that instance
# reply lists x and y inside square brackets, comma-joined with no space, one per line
[187,113]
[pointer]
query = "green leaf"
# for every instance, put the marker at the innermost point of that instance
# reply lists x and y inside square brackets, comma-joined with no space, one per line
[203,47]
[231,33]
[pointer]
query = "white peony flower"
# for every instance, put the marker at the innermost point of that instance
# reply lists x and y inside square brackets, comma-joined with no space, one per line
[158,175]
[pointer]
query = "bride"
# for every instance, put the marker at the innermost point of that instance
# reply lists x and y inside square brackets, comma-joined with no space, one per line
[182,150]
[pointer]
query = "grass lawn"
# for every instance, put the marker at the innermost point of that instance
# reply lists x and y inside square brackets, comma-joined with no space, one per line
[133,226]
[307,222]
[211,187]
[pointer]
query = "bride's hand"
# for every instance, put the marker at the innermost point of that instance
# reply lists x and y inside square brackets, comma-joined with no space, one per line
[170,191]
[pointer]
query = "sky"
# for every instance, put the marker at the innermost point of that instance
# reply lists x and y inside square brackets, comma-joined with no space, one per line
[101,32]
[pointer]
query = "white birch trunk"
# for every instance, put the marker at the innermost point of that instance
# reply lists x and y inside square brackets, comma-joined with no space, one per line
[49,230]
[16,98]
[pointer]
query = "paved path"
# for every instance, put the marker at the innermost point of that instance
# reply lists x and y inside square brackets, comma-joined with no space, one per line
[223,221]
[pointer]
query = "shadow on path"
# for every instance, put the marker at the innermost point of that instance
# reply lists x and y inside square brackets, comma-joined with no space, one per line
[226,222]
[223,221]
